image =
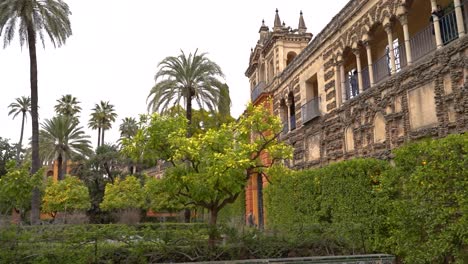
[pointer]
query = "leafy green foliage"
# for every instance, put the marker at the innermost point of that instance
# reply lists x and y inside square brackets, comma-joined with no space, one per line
[16,187]
[332,203]
[102,117]
[209,169]
[186,78]
[7,154]
[427,201]
[158,198]
[416,209]
[62,139]
[65,196]
[143,243]
[68,105]
[123,194]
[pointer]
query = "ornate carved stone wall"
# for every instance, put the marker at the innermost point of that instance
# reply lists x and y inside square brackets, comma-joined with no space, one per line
[428,99]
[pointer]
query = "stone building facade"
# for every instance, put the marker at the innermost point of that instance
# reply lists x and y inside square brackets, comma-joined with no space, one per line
[380,74]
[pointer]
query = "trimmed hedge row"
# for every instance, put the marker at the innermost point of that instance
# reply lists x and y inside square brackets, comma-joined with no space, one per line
[416,208]
[147,243]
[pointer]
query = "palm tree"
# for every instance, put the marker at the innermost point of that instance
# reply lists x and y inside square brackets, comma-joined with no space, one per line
[63,139]
[35,19]
[101,119]
[68,105]
[128,128]
[22,105]
[184,78]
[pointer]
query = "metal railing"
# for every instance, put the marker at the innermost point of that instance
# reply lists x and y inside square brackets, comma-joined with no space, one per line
[310,110]
[422,42]
[402,61]
[448,27]
[365,78]
[381,68]
[258,90]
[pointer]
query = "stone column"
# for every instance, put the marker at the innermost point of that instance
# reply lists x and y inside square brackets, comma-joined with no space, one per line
[369,63]
[404,23]
[459,15]
[359,70]
[288,117]
[391,52]
[436,23]
[338,89]
[343,82]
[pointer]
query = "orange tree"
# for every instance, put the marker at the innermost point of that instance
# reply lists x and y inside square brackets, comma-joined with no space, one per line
[209,170]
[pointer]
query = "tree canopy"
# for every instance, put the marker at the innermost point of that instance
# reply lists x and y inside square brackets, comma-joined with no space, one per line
[181,79]
[209,169]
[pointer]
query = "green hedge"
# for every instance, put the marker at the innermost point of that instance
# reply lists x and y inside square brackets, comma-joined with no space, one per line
[147,243]
[416,208]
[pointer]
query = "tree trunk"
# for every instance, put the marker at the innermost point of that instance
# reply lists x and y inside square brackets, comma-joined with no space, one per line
[260,200]
[59,168]
[213,233]
[36,163]
[64,166]
[108,171]
[20,143]
[99,137]
[102,137]
[188,115]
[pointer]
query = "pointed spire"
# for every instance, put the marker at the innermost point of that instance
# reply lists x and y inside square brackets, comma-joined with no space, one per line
[302,27]
[263,27]
[277,24]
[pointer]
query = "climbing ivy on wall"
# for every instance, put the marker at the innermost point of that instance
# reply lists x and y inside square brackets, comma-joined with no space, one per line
[416,208]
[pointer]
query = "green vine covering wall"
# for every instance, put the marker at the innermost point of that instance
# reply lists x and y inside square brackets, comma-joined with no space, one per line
[416,208]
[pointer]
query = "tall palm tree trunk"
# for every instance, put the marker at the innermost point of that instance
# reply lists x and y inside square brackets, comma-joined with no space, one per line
[64,167]
[188,115]
[36,163]
[20,143]
[99,137]
[102,135]
[60,167]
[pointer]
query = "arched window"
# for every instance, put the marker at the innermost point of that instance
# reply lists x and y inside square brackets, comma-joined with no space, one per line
[284,116]
[292,111]
[290,57]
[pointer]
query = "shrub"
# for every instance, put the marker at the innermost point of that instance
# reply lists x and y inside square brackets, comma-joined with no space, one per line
[65,196]
[427,200]
[123,194]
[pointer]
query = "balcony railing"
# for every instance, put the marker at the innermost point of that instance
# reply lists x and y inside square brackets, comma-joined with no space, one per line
[422,42]
[448,27]
[400,55]
[258,90]
[311,110]
[381,68]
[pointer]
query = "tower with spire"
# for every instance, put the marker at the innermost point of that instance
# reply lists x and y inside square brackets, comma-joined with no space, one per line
[274,51]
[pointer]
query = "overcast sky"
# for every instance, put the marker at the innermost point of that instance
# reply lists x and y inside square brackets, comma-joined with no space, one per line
[116,46]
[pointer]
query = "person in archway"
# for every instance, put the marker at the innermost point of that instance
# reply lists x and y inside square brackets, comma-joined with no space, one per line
[250,219]
[354,84]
